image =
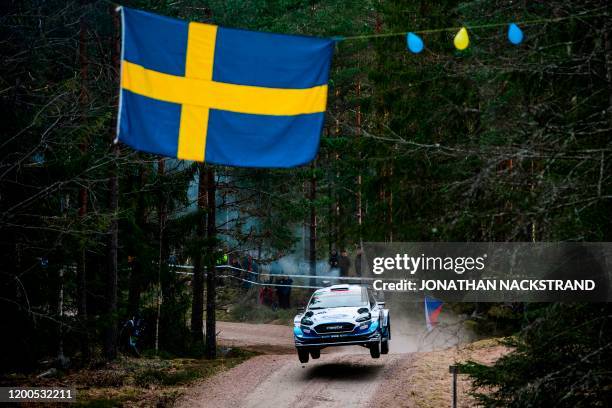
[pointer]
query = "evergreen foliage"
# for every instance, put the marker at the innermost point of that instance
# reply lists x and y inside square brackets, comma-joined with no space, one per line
[561,358]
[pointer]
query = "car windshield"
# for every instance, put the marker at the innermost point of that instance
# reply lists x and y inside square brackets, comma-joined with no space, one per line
[348,298]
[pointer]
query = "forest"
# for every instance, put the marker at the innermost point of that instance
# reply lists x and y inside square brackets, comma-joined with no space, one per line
[495,143]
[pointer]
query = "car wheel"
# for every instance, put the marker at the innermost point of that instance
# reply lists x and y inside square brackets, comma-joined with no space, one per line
[303,355]
[384,347]
[315,354]
[375,349]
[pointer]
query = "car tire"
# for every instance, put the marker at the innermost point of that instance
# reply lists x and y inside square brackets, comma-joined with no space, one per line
[384,347]
[303,355]
[315,354]
[375,349]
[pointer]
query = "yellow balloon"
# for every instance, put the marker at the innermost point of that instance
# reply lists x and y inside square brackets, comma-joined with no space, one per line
[462,39]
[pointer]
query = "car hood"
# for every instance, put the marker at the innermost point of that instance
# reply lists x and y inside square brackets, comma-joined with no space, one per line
[331,315]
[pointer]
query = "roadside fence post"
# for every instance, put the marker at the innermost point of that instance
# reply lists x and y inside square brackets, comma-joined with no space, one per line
[453,369]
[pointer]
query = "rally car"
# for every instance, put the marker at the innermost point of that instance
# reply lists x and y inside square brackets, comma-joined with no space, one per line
[342,315]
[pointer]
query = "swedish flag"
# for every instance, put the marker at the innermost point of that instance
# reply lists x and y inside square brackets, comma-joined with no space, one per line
[225,96]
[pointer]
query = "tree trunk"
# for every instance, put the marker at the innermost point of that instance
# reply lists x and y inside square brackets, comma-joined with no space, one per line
[197,303]
[110,332]
[330,208]
[390,204]
[61,358]
[211,335]
[313,225]
[161,212]
[110,338]
[608,62]
[359,203]
[136,273]
[81,271]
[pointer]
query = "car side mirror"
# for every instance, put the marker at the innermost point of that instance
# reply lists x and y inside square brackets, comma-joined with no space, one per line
[381,304]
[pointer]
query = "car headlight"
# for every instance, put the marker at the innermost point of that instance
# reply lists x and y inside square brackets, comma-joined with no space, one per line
[306,330]
[364,318]
[306,321]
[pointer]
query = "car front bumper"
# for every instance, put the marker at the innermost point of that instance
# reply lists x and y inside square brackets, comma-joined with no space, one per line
[369,336]
[339,341]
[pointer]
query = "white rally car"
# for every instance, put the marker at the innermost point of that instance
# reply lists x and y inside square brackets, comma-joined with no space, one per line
[342,315]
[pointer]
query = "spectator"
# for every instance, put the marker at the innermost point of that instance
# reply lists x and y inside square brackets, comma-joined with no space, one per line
[133,328]
[344,263]
[267,296]
[284,292]
[333,260]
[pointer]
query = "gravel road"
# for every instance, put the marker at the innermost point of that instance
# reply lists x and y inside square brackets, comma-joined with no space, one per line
[342,377]
[265,338]
[335,380]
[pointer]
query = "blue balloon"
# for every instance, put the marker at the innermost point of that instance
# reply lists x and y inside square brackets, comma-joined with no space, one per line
[515,35]
[414,42]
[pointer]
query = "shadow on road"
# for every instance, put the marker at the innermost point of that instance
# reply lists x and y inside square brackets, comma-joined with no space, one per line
[343,372]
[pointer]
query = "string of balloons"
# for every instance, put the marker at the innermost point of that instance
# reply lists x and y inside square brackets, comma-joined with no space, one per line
[462,39]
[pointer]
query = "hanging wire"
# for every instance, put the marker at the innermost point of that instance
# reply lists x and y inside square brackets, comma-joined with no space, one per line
[470,27]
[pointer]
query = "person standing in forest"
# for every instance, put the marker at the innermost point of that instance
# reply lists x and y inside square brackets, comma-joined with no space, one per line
[333,261]
[344,263]
[284,292]
[133,329]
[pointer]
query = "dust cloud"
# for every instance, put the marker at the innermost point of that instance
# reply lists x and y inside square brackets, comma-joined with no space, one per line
[409,332]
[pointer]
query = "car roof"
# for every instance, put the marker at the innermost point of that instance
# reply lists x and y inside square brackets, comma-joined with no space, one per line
[340,288]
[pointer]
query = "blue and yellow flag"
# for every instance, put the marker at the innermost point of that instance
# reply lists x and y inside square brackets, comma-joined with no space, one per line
[225,96]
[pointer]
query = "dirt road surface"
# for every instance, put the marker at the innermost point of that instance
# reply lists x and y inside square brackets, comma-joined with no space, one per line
[265,338]
[335,380]
[342,377]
